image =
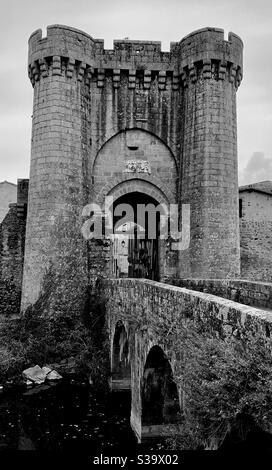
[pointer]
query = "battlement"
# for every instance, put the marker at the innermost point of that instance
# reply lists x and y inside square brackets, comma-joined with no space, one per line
[65,33]
[71,49]
[71,43]
[209,44]
[135,46]
[64,41]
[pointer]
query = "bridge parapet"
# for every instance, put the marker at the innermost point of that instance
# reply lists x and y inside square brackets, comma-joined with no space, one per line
[144,302]
[257,294]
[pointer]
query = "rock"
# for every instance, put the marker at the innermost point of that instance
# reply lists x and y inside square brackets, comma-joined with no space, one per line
[53,375]
[1,388]
[29,383]
[46,370]
[36,374]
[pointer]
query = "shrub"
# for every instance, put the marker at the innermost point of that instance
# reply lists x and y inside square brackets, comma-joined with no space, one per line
[220,381]
[63,322]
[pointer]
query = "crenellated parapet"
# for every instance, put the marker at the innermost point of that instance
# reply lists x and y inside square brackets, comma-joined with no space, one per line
[65,42]
[74,54]
[203,54]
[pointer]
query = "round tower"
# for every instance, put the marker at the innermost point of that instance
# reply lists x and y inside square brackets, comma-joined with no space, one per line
[57,64]
[211,71]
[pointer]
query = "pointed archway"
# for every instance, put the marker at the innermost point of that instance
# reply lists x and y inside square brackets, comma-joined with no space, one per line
[155,412]
[160,401]
[137,245]
[120,361]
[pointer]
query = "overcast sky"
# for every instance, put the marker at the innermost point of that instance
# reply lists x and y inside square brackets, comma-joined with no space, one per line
[162,20]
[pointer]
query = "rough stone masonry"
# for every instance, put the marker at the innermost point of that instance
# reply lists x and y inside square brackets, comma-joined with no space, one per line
[96,111]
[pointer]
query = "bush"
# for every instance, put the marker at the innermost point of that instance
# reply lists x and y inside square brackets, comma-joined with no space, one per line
[36,338]
[220,381]
[64,322]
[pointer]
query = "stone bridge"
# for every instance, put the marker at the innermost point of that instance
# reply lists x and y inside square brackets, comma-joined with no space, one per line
[141,317]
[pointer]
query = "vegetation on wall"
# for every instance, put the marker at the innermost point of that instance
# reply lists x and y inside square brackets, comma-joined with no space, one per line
[67,319]
[12,233]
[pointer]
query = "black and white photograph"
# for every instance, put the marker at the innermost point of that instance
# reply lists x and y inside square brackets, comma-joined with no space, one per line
[135,233]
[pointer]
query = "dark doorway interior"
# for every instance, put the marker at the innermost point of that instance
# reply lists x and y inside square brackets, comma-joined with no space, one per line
[160,402]
[120,363]
[137,253]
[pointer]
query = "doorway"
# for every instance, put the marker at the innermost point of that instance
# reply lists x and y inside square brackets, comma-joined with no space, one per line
[136,242]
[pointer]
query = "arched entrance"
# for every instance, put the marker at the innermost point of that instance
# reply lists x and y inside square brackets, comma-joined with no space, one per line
[137,229]
[120,364]
[160,402]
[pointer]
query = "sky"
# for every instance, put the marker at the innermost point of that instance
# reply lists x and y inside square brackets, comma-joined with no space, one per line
[158,20]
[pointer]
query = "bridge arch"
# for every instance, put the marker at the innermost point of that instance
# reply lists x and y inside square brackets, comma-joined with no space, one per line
[159,393]
[120,358]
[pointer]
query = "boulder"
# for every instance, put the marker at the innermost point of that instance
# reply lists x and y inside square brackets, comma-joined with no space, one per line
[36,374]
[46,369]
[53,375]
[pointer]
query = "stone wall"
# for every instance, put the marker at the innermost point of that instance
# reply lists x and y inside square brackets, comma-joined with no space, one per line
[256,206]
[12,236]
[256,250]
[256,235]
[258,294]
[12,243]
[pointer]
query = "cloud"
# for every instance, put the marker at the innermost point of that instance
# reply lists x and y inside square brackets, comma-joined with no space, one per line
[258,168]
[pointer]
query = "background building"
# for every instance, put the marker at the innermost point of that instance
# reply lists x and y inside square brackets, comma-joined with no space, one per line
[255,211]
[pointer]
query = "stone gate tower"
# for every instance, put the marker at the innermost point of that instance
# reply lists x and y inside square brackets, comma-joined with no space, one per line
[140,125]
